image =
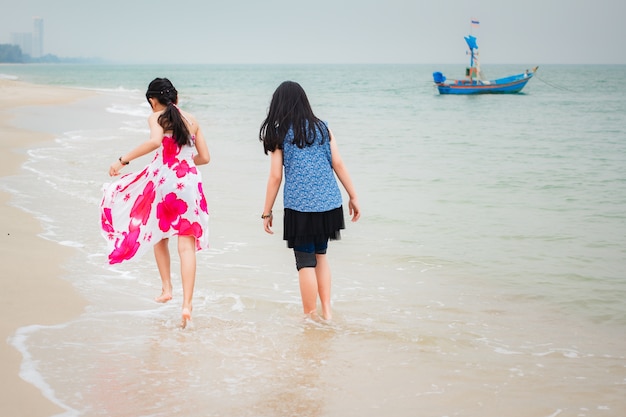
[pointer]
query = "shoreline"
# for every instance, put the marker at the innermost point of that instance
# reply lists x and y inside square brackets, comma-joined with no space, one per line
[34,291]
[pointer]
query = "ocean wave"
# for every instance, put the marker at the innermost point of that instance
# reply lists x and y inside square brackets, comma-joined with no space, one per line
[112,90]
[130,110]
[29,369]
[8,77]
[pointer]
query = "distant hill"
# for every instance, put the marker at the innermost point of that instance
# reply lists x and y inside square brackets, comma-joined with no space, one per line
[13,54]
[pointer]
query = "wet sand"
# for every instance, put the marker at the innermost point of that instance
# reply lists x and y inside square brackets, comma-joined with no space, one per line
[33,290]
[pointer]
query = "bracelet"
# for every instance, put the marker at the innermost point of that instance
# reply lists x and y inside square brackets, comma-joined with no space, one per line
[123,162]
[266,216]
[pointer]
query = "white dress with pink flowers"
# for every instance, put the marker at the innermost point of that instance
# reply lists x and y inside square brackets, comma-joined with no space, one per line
[165,199]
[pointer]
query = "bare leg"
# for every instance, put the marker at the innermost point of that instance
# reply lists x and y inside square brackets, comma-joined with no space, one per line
[322,273]
[162,256]
[308,290]
[187,253]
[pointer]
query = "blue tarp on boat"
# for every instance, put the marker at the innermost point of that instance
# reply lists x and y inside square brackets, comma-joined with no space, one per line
[439,77]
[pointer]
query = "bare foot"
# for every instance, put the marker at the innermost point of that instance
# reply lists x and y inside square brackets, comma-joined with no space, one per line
[164,297]
[186,317]
[313,316]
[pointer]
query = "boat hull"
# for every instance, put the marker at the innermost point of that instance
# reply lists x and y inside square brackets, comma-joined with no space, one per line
[508,85]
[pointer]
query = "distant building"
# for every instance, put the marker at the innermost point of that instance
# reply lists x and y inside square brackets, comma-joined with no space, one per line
[30,43]
[24,41]
[37,49]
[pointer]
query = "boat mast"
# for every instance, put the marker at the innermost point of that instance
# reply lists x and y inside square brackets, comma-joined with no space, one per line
[474,70]
[479,74]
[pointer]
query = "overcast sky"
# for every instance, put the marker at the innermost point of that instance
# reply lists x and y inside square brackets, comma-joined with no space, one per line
[525,32]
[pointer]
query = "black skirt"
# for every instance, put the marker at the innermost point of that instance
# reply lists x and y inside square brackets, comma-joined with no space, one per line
[301,228]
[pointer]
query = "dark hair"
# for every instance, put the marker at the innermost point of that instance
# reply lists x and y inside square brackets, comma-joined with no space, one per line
[171,119]
[290,108]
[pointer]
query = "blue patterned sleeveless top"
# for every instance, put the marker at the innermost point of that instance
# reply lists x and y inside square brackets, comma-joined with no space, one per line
[310,184]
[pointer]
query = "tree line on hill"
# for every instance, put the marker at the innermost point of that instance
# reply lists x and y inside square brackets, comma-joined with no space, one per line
[13,54]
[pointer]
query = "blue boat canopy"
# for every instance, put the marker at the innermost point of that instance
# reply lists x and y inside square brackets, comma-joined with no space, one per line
[439,77]
[471,42]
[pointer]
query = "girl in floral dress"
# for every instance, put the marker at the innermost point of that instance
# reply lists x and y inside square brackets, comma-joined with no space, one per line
[143,210]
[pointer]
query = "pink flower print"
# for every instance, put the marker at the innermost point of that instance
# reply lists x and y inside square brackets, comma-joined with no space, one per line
[203,204]
[169,210]
[138,176]
[126,249]
[180,186]
[184,168]
[185,228]
[107,221]
[170,151]
[141,208]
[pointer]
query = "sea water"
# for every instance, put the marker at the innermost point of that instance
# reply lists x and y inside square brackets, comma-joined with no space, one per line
[486,277]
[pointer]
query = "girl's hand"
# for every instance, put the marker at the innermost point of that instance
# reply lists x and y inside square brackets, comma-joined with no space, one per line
[267,223]
[114,169]
[355,211]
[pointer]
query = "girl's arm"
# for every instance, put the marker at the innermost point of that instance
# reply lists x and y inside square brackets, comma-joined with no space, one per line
[273,185]
[156,137]
[344,177]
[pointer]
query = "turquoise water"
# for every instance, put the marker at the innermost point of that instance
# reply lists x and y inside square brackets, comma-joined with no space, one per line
[486,277]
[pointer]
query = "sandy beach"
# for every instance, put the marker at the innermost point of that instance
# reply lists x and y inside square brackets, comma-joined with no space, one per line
[34,291]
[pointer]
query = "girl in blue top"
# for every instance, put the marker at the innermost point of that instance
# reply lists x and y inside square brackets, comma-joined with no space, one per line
[304,145]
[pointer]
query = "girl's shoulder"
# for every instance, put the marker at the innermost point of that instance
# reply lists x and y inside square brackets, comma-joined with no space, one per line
[326,130]
[324,125]
[188,117]
[155,115]
[190,120]
[154,118]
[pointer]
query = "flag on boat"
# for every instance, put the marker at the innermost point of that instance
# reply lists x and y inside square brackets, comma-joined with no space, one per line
[475,23]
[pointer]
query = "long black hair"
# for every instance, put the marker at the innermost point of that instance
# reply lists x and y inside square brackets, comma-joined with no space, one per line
[171,119]
[290,108]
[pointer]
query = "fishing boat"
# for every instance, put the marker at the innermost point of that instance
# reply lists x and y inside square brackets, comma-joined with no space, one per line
[473,83]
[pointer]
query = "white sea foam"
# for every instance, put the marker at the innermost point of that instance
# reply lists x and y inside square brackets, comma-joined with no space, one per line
[116,90]
[71,244]
[29,368]
[142,111]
